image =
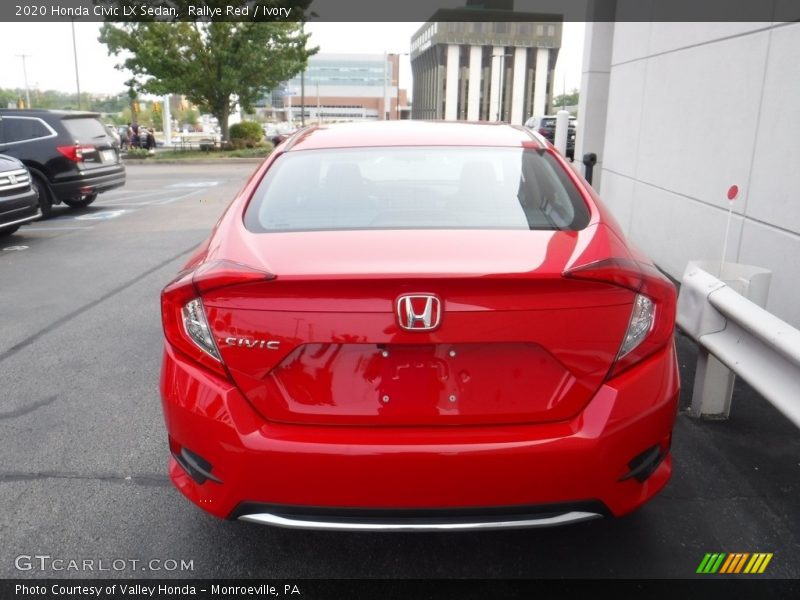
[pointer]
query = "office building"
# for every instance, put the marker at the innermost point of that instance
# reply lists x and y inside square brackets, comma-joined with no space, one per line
[343,87]
[484,71]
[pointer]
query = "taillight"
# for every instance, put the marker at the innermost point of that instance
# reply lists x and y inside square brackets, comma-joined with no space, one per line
[652,319]
[75,152]
[196,327]
[183,315]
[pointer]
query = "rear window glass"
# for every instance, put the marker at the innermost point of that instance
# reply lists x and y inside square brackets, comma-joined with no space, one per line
[85,129]
[416,188]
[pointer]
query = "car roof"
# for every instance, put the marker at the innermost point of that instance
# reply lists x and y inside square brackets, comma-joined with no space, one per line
[40,112]
[409,133]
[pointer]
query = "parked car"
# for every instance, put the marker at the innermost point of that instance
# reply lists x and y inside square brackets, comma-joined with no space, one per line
[19,203]
[71,155]
[418,325]
[546,126]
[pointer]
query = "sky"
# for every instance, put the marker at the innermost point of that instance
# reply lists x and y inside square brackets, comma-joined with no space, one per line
[50,61]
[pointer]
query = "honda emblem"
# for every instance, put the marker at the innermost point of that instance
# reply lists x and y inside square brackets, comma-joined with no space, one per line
[419,312]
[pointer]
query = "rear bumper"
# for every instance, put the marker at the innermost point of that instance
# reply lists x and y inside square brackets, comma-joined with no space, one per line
[89,181]
[493,477]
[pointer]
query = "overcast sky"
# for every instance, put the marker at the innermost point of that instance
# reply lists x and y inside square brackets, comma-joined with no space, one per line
[50,64]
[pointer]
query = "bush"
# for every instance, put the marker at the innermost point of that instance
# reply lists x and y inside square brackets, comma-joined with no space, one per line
[246,133]
[137,153]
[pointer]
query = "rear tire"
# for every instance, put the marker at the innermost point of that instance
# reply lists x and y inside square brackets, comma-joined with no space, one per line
[45,197]
[82,202]
[8,231]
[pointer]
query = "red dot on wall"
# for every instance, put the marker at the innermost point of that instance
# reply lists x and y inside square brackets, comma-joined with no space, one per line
[733,192]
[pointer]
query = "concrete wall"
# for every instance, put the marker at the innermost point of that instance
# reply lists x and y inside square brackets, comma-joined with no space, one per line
[692,109]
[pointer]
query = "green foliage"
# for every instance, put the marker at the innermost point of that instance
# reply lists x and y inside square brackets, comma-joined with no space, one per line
[186,117]
[214,64]
[138,153]
[570,99]
[189,155]
[55,100]
[248,133]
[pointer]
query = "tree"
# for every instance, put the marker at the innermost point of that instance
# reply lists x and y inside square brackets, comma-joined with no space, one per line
[214,64]
[570,99]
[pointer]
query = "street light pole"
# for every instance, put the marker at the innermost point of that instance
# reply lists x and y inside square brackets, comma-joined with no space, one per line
[502,58]
[25,75]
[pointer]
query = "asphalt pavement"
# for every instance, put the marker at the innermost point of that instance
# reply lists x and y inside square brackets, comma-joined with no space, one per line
[83,449]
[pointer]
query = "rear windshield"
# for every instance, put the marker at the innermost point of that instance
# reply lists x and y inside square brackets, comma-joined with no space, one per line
[416,188]
[85,129]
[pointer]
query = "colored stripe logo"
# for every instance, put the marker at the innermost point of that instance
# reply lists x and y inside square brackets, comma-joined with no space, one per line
[734,563]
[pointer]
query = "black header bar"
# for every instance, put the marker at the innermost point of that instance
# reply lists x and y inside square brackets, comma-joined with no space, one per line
[400,10]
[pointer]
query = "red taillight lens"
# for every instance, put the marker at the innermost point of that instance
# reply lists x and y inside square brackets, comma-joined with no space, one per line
[75,152]
[182,313]
[653,313]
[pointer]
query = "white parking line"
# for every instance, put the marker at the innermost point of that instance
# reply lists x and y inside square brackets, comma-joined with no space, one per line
[56,228]
[177,198]
[157,199]
[135,196]
[194,184]
[103,215]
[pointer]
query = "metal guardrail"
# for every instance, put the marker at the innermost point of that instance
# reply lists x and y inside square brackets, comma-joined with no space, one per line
[745,338]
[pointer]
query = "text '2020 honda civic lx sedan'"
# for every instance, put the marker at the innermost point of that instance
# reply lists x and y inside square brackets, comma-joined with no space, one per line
[416,326]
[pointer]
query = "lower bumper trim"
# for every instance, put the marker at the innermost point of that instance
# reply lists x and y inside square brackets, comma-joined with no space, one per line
[32,217]
[421,525]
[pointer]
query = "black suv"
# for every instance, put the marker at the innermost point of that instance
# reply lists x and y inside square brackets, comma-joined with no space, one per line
[18,201]
[70,154]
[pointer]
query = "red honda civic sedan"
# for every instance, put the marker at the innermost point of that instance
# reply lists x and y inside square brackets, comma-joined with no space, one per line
[418,326]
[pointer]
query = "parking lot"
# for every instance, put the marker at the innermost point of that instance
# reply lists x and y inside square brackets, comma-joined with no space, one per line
[84,452]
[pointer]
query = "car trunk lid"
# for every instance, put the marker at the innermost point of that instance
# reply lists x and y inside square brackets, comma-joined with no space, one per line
[96,145]
[323,343]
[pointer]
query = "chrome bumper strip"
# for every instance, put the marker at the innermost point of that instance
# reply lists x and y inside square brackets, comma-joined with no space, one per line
[353,525]
[21,221]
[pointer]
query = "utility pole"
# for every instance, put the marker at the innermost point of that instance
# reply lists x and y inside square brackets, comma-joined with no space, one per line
[383,102]
[25,75]
[303,98]
[75,55]
[303,84]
